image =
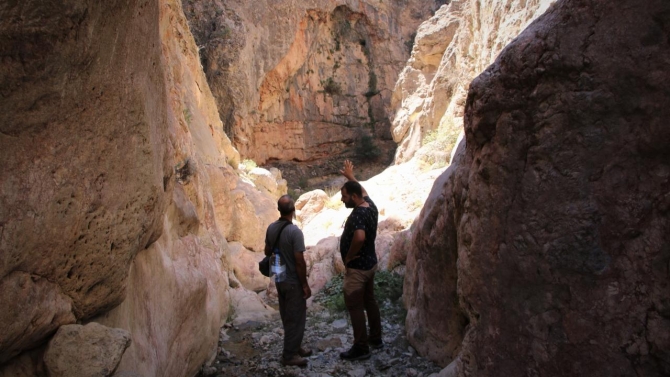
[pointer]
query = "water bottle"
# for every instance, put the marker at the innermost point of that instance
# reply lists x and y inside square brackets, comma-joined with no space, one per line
[278,268]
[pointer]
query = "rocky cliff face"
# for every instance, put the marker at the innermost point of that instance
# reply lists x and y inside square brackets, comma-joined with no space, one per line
[451,48]
[300,80]
[117,185]
[549,237]
[86,161]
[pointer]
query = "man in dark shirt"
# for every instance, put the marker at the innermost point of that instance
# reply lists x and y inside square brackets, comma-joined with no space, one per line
[357,247]
[293,291]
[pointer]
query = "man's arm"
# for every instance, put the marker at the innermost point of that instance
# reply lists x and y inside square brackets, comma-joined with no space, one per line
[268,250]
[301,270]
[348,173]
[356,246]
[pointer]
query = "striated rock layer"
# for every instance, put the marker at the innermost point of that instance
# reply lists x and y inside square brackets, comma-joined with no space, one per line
[451,48]
[118,193]
[549,237]
[300,80]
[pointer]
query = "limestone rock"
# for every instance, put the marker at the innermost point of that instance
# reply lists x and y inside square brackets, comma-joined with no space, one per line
[383,244]
[90,350]
[269,182]
[450,49]
[115,163]
[245,265]
[249,307]
[301,80]
[309,204]
[39,308]
[400,248]
[85,150]
[550,232]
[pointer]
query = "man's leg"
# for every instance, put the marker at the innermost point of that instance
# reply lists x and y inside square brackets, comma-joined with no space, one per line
[282,303]
[295,315]
[354,292]
[372,309]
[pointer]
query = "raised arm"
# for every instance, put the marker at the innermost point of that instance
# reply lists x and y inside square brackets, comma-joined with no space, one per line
[348,173]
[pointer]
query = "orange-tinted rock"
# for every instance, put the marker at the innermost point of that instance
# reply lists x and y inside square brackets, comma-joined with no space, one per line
[302,80]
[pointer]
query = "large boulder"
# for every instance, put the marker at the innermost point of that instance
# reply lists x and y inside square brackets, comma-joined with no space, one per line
[244,264]
[310,204]
[86,157]
[550,235]
[83,351]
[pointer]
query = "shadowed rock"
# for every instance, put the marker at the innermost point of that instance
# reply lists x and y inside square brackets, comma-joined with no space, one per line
[553,227]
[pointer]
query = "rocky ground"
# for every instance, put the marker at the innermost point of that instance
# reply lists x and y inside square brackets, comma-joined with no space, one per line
[254,349]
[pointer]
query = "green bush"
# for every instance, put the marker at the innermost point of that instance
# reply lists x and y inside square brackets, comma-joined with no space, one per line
[330,86]
[249,164]
[366,149]
[388,287]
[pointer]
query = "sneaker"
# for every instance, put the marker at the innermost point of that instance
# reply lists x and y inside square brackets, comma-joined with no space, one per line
[305,352]
[294,361]
[378,344]
[355,353]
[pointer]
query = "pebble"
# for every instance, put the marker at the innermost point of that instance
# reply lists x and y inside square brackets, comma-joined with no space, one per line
[264,343]
[340,324]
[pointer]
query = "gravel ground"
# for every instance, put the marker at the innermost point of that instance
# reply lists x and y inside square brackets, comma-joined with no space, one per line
[254,349]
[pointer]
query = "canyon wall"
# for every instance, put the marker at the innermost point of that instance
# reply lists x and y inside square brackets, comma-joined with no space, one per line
[450,50]
[301,80]
[119,186]
[544,249]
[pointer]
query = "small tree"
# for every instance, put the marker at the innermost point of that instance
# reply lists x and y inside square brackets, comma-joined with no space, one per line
[366,149]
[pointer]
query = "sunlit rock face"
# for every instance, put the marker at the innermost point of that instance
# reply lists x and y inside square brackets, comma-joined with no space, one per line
[549,237]
[300,80]
[451,49]
[118,186]
[86,159]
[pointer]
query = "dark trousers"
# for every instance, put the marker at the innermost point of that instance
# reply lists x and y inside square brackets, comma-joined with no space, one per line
[293,312]
[359,297]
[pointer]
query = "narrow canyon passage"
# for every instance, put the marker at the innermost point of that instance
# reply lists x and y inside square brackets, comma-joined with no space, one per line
[523,198]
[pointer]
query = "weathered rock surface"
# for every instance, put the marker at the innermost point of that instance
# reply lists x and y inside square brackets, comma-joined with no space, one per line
[90,350]
[550,236]
[268,181]
[39,308]
[85,152]
[451,48]
[115,161]
[178,287]
[299,80]
[309,205]
[244,264]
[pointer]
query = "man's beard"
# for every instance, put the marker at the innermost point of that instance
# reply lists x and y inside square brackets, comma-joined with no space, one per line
[350,204]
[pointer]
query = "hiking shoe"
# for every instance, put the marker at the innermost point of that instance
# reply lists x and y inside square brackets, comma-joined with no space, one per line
[296,360]
[355,353]
[378,344]
[305,352]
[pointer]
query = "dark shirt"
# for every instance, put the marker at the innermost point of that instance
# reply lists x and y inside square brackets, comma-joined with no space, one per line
[364,218]
[291,241]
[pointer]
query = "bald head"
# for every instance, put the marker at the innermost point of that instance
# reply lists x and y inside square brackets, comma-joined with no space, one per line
[286,205]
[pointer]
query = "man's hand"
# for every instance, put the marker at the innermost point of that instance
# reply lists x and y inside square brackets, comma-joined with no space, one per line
[348,170]
[307,292]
